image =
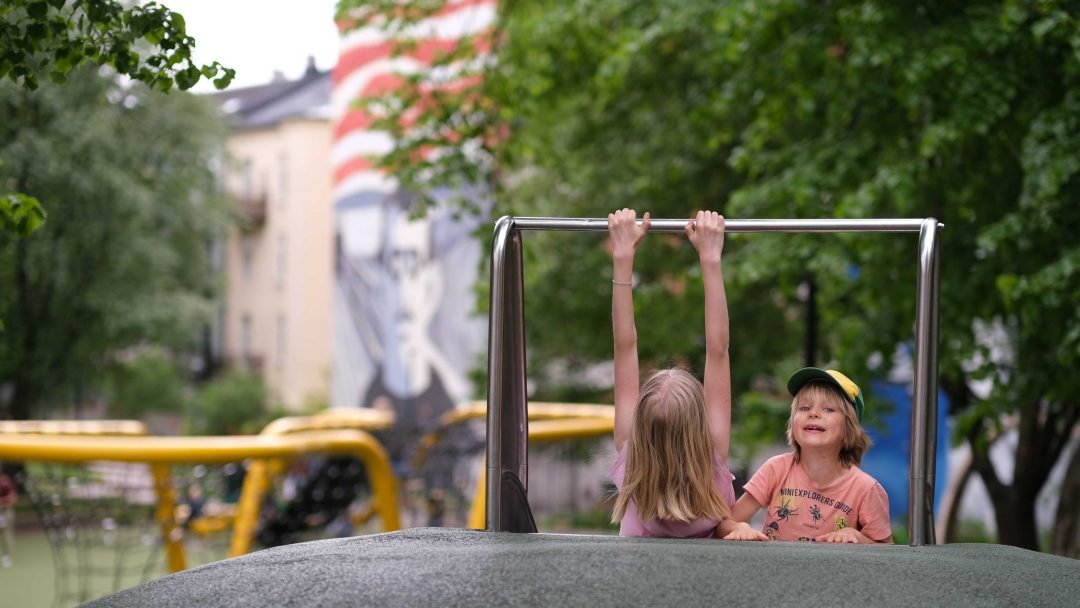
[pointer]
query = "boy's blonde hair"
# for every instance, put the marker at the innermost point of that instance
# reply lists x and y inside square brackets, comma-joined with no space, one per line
[856,441]
[669,454]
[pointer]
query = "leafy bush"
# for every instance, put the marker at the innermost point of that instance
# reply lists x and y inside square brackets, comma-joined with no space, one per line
[234,403]
[149,383]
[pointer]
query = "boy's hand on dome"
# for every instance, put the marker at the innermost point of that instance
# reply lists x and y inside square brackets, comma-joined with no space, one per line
[845,535]
[743,531]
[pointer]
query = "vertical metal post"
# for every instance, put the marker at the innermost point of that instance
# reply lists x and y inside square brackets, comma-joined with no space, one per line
[507,422]
[171,534]
[924,398]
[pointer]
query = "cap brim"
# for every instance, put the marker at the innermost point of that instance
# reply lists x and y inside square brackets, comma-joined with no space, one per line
[812,374]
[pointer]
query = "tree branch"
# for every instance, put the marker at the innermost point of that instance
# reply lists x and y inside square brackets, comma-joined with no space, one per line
[980,460]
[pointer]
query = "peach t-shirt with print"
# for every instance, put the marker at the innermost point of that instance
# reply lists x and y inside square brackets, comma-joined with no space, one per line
[797,510]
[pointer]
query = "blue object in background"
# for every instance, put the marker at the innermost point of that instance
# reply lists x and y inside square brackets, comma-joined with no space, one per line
[889,457]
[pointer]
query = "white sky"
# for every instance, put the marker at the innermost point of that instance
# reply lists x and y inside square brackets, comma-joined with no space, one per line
[257,37]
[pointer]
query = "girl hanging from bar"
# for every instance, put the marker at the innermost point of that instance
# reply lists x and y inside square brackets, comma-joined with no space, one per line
[672,433]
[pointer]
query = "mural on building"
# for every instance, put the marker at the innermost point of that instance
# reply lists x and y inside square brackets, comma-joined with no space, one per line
[405,332]
[405,335]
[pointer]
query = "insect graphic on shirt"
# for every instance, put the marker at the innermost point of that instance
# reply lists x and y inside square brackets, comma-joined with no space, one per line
[771,529]
[815,512]
[785,510]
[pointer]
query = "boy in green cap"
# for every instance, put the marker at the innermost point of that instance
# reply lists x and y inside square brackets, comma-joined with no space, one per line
[817,492]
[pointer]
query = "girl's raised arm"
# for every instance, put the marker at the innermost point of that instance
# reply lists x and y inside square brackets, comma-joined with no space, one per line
[706,232]
[625,236]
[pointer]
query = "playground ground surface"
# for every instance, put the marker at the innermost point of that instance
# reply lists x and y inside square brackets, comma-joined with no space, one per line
[31,581]
[453,567]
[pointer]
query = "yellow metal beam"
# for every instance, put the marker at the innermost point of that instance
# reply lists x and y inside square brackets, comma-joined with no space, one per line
[364,419]
[538,411]
[256,485]
[171,534]
[74,427]
[161,451]
[218,449]
[569,429]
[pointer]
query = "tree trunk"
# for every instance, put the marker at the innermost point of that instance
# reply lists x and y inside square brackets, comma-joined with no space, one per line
[24,390]
[1015,518]
[1065,539]
[811,340]
[1014,504]
[22,399]
[954,496]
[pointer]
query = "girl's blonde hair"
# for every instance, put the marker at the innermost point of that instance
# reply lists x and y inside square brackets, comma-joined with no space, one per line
[856,441]
[669,454]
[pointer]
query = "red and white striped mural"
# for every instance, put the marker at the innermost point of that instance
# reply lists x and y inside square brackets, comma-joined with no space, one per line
[404,333]
[366,67]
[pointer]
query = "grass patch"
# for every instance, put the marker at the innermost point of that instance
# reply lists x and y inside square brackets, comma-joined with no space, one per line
[32,580]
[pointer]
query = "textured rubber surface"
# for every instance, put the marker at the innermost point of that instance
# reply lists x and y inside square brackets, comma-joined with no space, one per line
[450,567]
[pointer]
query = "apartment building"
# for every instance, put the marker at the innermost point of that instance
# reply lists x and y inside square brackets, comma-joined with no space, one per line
[279,257]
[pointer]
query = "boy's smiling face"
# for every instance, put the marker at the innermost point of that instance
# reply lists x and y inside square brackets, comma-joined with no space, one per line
[818,420]
[824,420]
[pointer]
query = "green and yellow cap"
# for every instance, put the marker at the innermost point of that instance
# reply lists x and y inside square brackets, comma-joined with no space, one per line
[847,388]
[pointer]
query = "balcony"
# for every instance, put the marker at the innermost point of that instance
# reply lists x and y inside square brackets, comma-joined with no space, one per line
[252,211]
[252,364]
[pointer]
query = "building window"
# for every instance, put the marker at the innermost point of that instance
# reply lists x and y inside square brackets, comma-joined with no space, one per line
[282,341]
[245,337]
[247,179]
[217,255]
[219,169]
[282,259]
[283,178]
[247,257]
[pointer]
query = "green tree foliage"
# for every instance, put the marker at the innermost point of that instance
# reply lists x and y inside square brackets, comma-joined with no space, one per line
[968,112]
[147,382]
[21,214]
[53,37]
[50,38]
[124,259]
[231,404]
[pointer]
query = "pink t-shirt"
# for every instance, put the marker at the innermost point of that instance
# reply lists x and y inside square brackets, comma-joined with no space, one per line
[631,524]
[797,510]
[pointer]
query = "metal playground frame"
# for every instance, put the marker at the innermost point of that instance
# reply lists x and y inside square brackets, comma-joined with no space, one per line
[507,416]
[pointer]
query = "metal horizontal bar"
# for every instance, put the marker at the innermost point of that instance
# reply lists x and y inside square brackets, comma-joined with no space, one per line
[508,425]
[599,224]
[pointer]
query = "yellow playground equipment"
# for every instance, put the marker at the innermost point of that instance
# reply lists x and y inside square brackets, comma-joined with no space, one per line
[90,480]
[548,422]
[260,473]
[93,448]
[74,427]
[162,452]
